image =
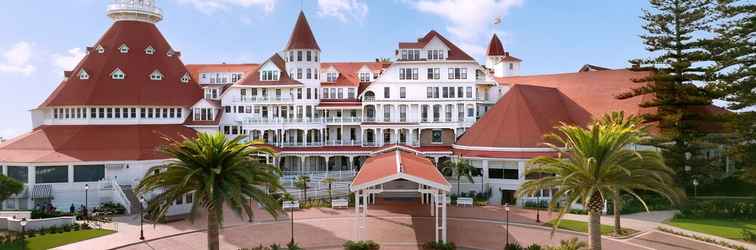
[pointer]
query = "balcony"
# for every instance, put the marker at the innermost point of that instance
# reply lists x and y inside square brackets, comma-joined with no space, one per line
[343,119]
[264,99]
[282,121]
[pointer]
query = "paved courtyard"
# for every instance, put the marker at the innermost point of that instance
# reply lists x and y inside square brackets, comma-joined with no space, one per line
[395,225]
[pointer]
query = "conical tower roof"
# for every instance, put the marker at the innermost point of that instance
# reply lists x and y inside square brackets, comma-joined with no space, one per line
[522,117]
[494,47]
[302,37]
[138,50]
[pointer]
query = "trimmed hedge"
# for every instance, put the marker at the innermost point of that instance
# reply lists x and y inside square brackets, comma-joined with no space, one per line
[719,208]
[361,245]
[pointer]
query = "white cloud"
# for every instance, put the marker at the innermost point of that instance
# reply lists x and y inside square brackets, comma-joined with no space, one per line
[69,60]
[9,133]
[469,21]
[344,10]
[210,7]
[16,59]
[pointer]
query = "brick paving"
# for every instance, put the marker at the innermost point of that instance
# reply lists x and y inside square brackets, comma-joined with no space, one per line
[396,225]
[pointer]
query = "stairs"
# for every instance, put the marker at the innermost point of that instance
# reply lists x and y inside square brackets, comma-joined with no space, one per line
[129,192]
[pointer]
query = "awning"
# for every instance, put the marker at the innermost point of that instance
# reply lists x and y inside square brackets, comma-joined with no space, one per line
[42,192]
[388,166]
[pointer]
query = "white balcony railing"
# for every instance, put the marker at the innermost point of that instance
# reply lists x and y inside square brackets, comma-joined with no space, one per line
[280,121]
[343,119]
[264,99]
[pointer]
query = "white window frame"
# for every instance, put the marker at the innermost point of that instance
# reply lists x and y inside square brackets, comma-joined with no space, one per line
[186,78]
[118,74]
[123,49]
[149,50]
[156,75]
[83,75]
[100,49]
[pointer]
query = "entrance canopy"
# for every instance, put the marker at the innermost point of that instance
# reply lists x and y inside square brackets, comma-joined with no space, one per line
[394,165]
[398,164]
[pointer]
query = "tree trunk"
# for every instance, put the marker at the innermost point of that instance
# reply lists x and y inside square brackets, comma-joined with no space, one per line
[459,180]
[594,230]
[616,210]
[213,229]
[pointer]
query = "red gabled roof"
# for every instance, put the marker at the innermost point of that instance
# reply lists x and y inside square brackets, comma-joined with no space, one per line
[349,72]
[77,143]
[494,47]
[383,167]
[595,91]
[283,76]
[302,37]
[455,53]
[521,118]
[196,69]
[136,88]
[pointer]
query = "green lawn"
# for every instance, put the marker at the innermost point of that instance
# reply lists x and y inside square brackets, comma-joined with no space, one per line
[732,229]
[580,226]
[48,241]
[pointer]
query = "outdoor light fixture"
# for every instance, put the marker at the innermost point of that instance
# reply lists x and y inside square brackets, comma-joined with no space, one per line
[506,208]
[141,218]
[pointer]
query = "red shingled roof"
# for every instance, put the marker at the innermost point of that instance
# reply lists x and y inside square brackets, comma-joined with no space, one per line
[383,167]
[136,88]
[521,118]
[349,72]
[76,143]
[494,47]
[595,91]
[455,53]
[302,37]
[283,77]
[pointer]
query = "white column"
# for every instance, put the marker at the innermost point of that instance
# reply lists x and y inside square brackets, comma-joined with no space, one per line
[301,167]
[521,170]
[326,161]
[435,214]
[443,216]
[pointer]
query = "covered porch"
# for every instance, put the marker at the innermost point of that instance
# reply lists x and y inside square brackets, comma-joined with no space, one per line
[402,175]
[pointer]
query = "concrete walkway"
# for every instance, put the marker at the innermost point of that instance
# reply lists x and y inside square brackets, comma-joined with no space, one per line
[395,226]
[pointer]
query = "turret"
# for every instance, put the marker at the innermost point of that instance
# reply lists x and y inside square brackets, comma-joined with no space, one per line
[500,61]
[135,10]
[302,54]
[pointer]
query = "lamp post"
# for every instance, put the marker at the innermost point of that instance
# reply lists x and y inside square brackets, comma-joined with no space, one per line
[292,225]
[506,208]
[538,207]
[141,218]
[86,202]
[695,188]
[23,227]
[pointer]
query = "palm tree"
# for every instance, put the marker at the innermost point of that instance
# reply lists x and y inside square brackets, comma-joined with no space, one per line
[634,124]
[598,162]
[461,168]
[219,172]
[329,181]
[301,183]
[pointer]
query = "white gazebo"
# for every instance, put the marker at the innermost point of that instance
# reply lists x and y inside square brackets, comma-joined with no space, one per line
[400,165]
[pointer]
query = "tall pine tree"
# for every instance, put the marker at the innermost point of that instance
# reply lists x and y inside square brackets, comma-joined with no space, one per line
[733,76]
[674,32]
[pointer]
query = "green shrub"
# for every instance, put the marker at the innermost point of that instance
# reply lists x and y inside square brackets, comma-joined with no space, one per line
[513,246]
[361,245]
[544,203]
[534,247]
[438,245]
[748,235]
[719,208]
[571,244]
[111,208]
[67,228]
[293,246]
[85,226]
[631,205]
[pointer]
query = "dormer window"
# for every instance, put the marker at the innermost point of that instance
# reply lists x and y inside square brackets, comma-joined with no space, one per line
[410,55]
[170,53]
[118,74]
[436,54]
[83,75]
[149,50]
[270,75]
[331,76]
[185,78]
[364,76]
[156,75]
[123,49]
[100,49]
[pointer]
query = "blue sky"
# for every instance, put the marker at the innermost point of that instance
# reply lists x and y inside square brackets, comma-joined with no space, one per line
[41,38]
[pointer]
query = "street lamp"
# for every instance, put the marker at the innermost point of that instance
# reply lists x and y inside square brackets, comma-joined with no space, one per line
[506,208]
[538,207]
[86,201]
[141,218]
[23,227]
[292,225]
[695,188]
